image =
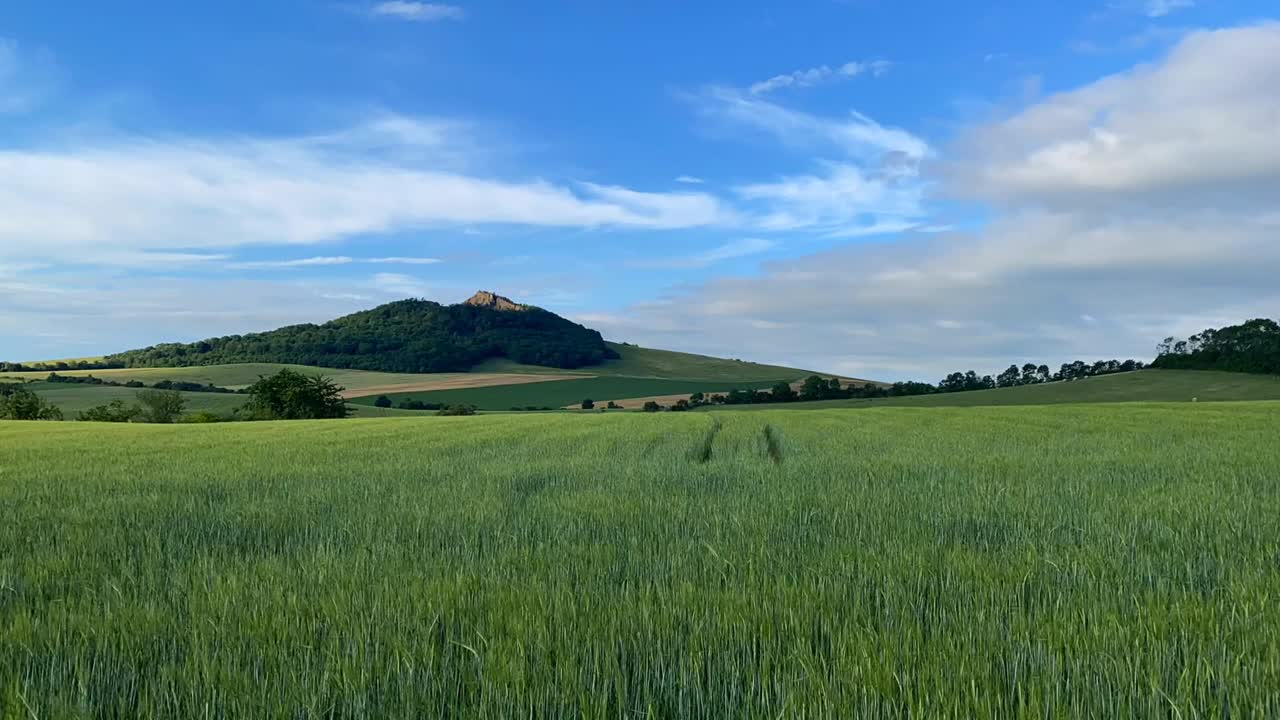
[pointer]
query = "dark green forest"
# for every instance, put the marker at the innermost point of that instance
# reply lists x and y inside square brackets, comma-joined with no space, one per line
[404,336]
[1250,347]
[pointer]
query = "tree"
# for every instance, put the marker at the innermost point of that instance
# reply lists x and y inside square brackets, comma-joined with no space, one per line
[113,412]
[783,392]
[814,388]
[1010,377]
[588,404]
[383,402]
[290,395]
[161,406]
[19,403]
[457,411]
[681,405]
[652,406]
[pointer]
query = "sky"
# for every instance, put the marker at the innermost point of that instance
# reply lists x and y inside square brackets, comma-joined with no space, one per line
[883,189]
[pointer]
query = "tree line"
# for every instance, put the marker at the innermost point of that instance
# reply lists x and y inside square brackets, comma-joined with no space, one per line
[1250,347]
[177,385]
[816,387]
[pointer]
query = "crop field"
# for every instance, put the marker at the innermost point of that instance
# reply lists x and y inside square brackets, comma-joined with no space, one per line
[564,392]
[1068,561]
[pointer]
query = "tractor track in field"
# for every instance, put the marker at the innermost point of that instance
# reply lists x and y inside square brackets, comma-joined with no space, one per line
[703,453]
[773,444]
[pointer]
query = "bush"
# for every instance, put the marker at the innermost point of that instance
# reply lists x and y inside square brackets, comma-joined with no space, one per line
[588,404]
[457,410]
[419,405]
[19,403]
[680,406]
[383,402]
[613,406]
[161,406]
[652,406]
[113,412]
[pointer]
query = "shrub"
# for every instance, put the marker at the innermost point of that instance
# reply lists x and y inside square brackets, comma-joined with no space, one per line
[19,403]
[114,412]
[613,406]
[652,406]
[680,406]
[383,402]
[161,406]
[588,404]
[456,410]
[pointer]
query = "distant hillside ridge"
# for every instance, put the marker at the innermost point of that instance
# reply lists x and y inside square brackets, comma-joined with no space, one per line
[408,336]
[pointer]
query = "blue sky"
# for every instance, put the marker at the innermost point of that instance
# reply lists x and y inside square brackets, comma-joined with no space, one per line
[884,189]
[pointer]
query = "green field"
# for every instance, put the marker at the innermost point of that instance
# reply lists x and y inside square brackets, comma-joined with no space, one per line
[1070,561]
[72,399]
[1141,386]
[241,375]
[564,392]
[649,363]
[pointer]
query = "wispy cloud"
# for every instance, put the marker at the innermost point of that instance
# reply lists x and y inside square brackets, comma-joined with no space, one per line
[820,75]
[101,197]
[324,261]
[417,11]
[728,251]
[873,182]
[690,180]
[1161,8]
[399,284]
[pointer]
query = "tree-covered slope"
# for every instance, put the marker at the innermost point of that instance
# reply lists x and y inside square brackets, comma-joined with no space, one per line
[406,336]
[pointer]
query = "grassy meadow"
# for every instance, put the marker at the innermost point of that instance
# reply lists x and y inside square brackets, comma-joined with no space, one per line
[1068,561]
[564,392]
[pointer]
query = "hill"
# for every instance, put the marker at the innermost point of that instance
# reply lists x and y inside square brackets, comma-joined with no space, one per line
[639,362]
[1139,386]
[408,336]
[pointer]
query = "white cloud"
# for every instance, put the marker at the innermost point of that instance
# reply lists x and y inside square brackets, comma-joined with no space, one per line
[1201,121]
[303,262]
[97,199]
[728,251]
[325,261]
[690,180]
[398,284]
[821,74]
[837,200]
[855,136]
[875,184]
[1135,207]
[403,261]
[1160,8]
[418,11]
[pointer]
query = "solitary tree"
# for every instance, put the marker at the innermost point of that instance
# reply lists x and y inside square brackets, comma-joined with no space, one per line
[588,404]
[161,406]
[290,395]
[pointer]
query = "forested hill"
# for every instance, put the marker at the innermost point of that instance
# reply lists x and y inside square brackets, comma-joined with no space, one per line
[404,336]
